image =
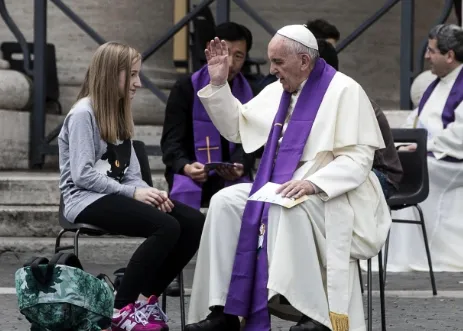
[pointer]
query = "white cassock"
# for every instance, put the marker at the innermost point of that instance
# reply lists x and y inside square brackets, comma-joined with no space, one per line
[338,159]
[443,209]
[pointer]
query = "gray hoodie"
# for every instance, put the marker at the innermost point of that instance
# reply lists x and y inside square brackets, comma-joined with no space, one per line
[90,168]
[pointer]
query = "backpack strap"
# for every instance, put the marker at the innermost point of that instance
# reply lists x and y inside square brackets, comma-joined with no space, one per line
[104,277]
[68,259]
[42,260]
[43,277]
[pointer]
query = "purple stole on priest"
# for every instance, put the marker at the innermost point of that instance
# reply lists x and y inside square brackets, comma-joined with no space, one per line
[207,139]
[453,101]
[248,294]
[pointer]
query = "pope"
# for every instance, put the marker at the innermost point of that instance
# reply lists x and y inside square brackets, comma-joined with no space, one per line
[320,135]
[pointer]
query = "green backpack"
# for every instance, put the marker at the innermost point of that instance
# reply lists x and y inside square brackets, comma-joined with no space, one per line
[59,295]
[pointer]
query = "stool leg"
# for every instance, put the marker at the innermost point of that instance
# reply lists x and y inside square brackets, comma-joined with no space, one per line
[370,296]
[386,255]
[76,243]
[164,302]
[360,276]
[182,300]
[381,291]
[58,240]
[428,252]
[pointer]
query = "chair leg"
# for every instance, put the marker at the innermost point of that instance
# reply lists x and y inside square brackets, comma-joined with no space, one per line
[76,243]
[428,252]
[360,276]
[370,296]
[164,302]
[182,300]
[58,240]
[381,291]
[386,254]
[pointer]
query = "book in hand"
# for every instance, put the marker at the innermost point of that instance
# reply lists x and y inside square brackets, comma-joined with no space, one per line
[214,165]
[267,193]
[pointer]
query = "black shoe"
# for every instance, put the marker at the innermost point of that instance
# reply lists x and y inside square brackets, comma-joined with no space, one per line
[216,321]
[308,324]
[173,290]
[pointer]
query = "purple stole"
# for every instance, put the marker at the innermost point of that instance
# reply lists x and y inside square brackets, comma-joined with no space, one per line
[448,114]
[248,294]
[207,140]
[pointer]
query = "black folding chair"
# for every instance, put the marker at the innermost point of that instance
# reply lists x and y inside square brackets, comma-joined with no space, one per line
[414,187]
[91,230]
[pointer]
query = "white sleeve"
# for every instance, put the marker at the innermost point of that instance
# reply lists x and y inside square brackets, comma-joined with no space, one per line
[349,169]
[449,142]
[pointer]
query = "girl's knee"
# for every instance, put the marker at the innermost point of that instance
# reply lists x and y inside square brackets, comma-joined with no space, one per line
[172,228]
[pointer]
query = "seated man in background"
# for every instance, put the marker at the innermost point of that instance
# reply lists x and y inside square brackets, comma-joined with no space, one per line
[190,140]
[321,29]
[440,112]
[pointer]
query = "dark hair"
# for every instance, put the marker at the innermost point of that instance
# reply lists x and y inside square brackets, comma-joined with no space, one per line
[323,30]
[233,32]
[328,53]
[449,37]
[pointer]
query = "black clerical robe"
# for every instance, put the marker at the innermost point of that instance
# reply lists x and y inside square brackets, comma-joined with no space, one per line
[177,141]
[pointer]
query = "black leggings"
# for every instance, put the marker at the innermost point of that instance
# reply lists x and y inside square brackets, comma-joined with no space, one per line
[172,240]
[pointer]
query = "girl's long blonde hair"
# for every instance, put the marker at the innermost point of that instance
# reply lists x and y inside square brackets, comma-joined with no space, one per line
[112,111]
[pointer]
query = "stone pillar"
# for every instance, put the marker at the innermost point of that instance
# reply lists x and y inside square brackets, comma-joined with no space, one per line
[15,90]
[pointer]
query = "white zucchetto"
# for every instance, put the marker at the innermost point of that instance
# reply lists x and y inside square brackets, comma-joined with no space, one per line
[299,33]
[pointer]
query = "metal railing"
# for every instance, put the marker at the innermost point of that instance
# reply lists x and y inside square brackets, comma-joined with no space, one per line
[40,144]
[406,43]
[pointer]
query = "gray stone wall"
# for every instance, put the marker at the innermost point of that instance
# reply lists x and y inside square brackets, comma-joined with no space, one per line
[373,59]
[137,22]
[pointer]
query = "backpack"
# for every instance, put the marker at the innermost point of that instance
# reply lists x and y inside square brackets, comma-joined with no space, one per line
[59,295]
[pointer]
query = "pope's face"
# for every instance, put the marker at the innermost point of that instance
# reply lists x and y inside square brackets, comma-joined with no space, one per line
[285,65]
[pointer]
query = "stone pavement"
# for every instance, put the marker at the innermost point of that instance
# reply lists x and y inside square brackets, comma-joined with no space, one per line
[409,302]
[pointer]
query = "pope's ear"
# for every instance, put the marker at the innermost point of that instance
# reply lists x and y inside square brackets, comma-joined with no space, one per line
[305,62]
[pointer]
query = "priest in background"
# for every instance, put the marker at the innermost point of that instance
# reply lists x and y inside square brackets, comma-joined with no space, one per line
[320,135]
[190,140]
[440,112]
[322,29]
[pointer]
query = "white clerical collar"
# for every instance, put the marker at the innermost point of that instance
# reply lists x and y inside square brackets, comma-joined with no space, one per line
[452,75]
[299,89]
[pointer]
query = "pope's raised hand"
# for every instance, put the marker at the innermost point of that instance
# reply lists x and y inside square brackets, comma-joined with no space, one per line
[217,61]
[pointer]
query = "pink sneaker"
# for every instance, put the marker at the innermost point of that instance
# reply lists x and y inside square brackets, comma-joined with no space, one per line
[129,319]
[153,312]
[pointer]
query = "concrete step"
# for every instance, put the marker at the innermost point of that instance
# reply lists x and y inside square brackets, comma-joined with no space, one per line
[14,140]
[15,136]
[396,118]
[151,135]
[29,221]
[40,189]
